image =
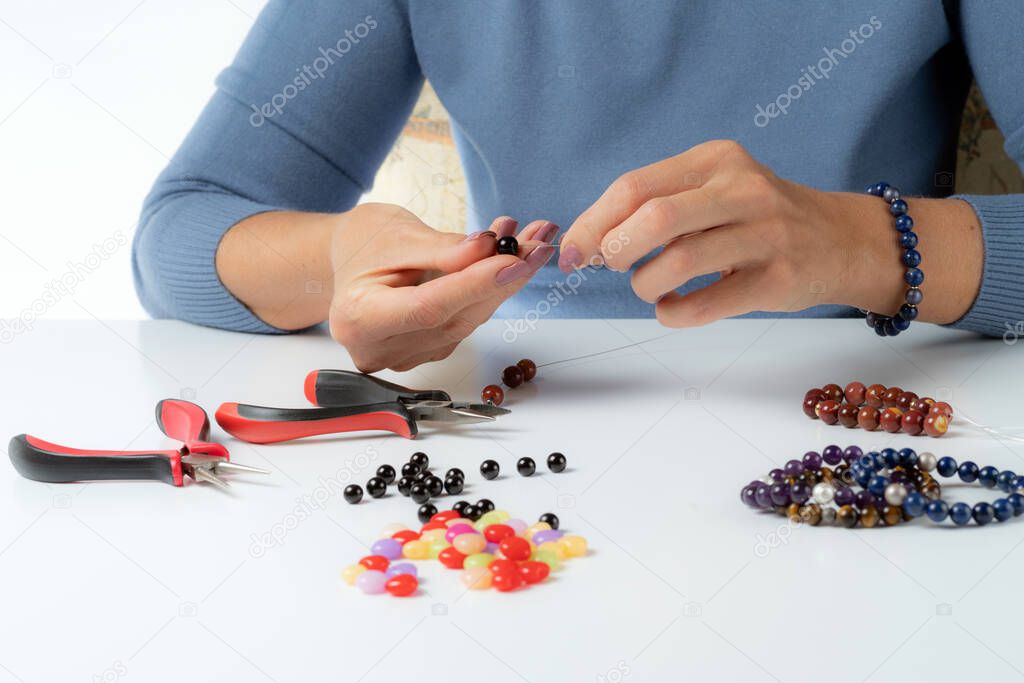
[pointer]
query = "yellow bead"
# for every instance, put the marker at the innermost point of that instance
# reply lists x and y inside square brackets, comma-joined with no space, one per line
[432,534]
[539,526]
[350,573]
[553,547]
[549,558]
[489,518]
[469,544]
[390,529]
[476,578]
[574,546]
[416,550]
[502,516]
[436,546]
[478,560]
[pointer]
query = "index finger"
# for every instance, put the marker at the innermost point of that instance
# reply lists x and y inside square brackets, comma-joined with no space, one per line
[623,197]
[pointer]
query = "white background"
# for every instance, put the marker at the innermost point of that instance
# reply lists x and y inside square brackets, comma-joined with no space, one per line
[94,99]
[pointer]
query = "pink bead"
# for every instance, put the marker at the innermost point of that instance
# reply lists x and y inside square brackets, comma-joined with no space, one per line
[371,581]
[456,529]
[518,525]
[491,548]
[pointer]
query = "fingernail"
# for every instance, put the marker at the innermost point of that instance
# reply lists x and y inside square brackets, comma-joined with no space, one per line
[477,235]
[548,232]
[505,226]
[513,272]
[539,256]
[570,258]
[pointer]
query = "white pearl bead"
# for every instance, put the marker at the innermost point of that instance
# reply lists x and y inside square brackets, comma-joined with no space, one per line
[828,516]
[895,494]
[926,461]
[823,493]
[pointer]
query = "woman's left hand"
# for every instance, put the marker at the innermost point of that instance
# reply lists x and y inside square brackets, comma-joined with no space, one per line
[778,245]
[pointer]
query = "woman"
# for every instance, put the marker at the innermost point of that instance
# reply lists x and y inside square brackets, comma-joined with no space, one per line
[717,151]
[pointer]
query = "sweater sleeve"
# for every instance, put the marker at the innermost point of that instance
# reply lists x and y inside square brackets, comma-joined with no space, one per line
[300,121]
[991,35]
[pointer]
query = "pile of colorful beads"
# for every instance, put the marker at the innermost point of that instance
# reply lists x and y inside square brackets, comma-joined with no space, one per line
[512,376]
[871,407]
[494,550]
[894,487]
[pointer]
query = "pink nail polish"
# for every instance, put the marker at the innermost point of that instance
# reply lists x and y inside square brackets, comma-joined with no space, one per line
[539,256]
[477,235]
[570,258]
[512,273]
[547,233]
[505,226]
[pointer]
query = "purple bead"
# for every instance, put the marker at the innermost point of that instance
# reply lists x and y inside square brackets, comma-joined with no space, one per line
[779,493]
[832,455]
[491,548]
[401,568]
[851,454]
[898,477]
[793,468]
[388,547]
[799,493]
[747,496]
[844,495]
[762,497]
[554,534]
[812,460]
[863,500]
[777,475]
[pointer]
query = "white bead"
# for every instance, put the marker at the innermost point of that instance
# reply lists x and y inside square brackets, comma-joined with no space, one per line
[926,461]
[823,493]
[895,494]
[828,516]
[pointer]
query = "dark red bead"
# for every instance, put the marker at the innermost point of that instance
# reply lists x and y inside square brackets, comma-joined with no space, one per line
[512,376]
[904,400]
[528,367]
[848,414]
[867,418]
[493,394]
[854,393]
[828,411]
[912,422]
[811,401]
[833,391]
[890,396]
[873,396]
[889,419]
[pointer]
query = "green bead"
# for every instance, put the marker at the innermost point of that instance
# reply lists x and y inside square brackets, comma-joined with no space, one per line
[478,560]
[436,546]
[548,557]
[488,518]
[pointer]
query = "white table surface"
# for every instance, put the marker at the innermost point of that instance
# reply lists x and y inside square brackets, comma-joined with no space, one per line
[147,582]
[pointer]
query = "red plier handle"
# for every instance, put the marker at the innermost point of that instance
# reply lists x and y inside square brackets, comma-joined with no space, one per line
[44,461]
[258,424]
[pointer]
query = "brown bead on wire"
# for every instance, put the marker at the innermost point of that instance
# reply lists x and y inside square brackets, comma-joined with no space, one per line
[512,376]
[493,394]
[528,367]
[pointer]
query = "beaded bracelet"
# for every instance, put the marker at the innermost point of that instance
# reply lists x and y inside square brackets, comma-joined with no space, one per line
[890,326]
[876,406]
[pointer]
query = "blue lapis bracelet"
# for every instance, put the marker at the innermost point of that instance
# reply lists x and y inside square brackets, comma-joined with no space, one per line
[886,325]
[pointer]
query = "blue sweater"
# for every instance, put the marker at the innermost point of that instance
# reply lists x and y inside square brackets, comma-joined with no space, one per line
[551,101]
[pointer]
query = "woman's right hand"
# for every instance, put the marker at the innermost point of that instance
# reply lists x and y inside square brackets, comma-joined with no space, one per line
[406,294]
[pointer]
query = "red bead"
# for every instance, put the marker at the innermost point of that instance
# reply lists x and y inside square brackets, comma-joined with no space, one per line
[496,533]
[890,396]
[451,558]
[936,424]
[811,401]
[848,414]
[942,408]
[512,376]
[922,405]
[507,581]
[889,419]
[867,418]
[854,393]
[912,422]
[433,525]
[515,548]
[873,396]
[528,367]
[402,585]
[378,562]
[503,567]
[445,515]
[534,572]
[904,400]
[828,411]
[493,394]
[405,535]
[833,391]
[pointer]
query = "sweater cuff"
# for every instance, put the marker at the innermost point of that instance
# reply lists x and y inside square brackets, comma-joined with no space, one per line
[175,261]
[1000,303]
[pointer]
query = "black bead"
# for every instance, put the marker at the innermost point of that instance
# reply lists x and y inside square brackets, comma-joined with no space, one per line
[484,505]
[472,513]
[426,511]
[454,486]
[556,462]
[387,473]
[410,470]
[376,487]
[455,472]
[434,485]
[404,484]
[419,492]
[460,507]
[551,518]
[423,475]
[526,466]
[420,459]
[508,245]
[353,493]
[489,469]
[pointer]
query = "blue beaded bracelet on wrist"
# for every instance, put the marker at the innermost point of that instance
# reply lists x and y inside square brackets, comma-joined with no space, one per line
[885,325]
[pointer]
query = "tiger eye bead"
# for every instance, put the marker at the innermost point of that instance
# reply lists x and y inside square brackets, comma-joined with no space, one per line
[873,396]
[828,411]
[889,419]
[811,400]
[854,393]
[833,391]
[811,514]
[867,418]
[848,415]
[869,516]
[936,424]
[932,490]
[904,400]
[890,396]
[793,512]
[912,423]
[892,514]
[847,516]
